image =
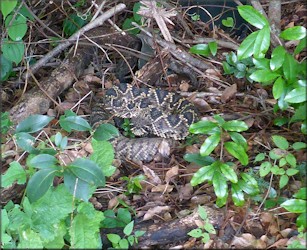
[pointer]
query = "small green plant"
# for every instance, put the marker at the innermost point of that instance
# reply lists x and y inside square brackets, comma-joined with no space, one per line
[134,186]
[6,123]
[228,22]
[127,25]
[126,126]
[219,172]
[286,75]
[195,17]
[204,49]
[128,239]
[296,244]
[280,161]
[74,22]
[205,230]
[238,68]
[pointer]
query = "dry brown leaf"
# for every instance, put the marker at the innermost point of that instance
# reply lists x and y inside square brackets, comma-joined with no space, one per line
[202,104]
[113,202]
[229,93]
[184,86]
[171,173]
[243,241]
[185,192]
[154,211]
[279,244]
[151,175]
[162,188]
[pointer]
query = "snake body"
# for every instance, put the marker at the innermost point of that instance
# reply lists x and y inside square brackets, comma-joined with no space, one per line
[152,111]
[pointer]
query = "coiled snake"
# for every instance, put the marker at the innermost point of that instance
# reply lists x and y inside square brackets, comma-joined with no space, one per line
[152,112]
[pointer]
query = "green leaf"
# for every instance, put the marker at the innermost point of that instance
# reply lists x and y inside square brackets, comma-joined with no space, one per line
[302,44]
[294,33]
[202,212]
[229,173]
[261,63]
[203,174]
[43,161]
[6,68]
[246,48]
[87,171]
[198,159]
[296,95]
[33,123]
[263,75]
[259,157]
[26,142]
[237,126]
[295,205]
[210,144]
[277,57]
[301,222]
[283,181]
[291,171]
[279,87]
[213,47]
[301,193]
[7,7]
[195,233]
[128,228]
[262,42]
[77,187]
[29,240]
[290,158]
[280,141]
[127,25]
[219,184]
[14,173]
[248,184]
[227,68]
[200,49]
[103,156]
[290,67]
[228,22]
[220,120]
[18,27]
[282,162]
[237,151]
[39,183]
[105,132]
[136,7]
[265,168]
[73,23]
[13,51]
[300,113]
[299,145]
[209,227]
[84,230]
[114,238]
[252,16]
[74,123]
[237,195]
[123,244]
[277,170]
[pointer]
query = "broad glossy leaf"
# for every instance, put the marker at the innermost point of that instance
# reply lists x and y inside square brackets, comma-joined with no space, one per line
[7,7]
[237,151]
[228,22]
[105,132]
[26,142]
[302,44]
[13,51]
[238,138]
[261,63]
[200,49]
[301,221]
[220,184]
[6,68]
[283,181]
[77,187]
[18,27]
[229,173]
[265,168]
[213,47]
[43,161]
[299,145]
[210,144]
[277,58]
[220,120]
[291,171]
[301,193]
[237,195]
[87,171]
[33,123]
[246,49]
[252,16]
[262,42]
[263,75]
[237,126]
[280,141]
[290,67]
[294,33]
[39,183]
[295,205]
[248,184]
[297,95]
[203,174]
[128,228]
[198,159]
[290,158]
[279,87]
[74,123]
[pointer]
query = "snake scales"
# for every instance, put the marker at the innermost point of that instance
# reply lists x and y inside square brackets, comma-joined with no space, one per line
[152,112]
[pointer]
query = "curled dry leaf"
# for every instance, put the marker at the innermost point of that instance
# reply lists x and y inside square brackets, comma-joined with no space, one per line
[151,175]
[229,93]
[162,188]
[171,173]
[155,211]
